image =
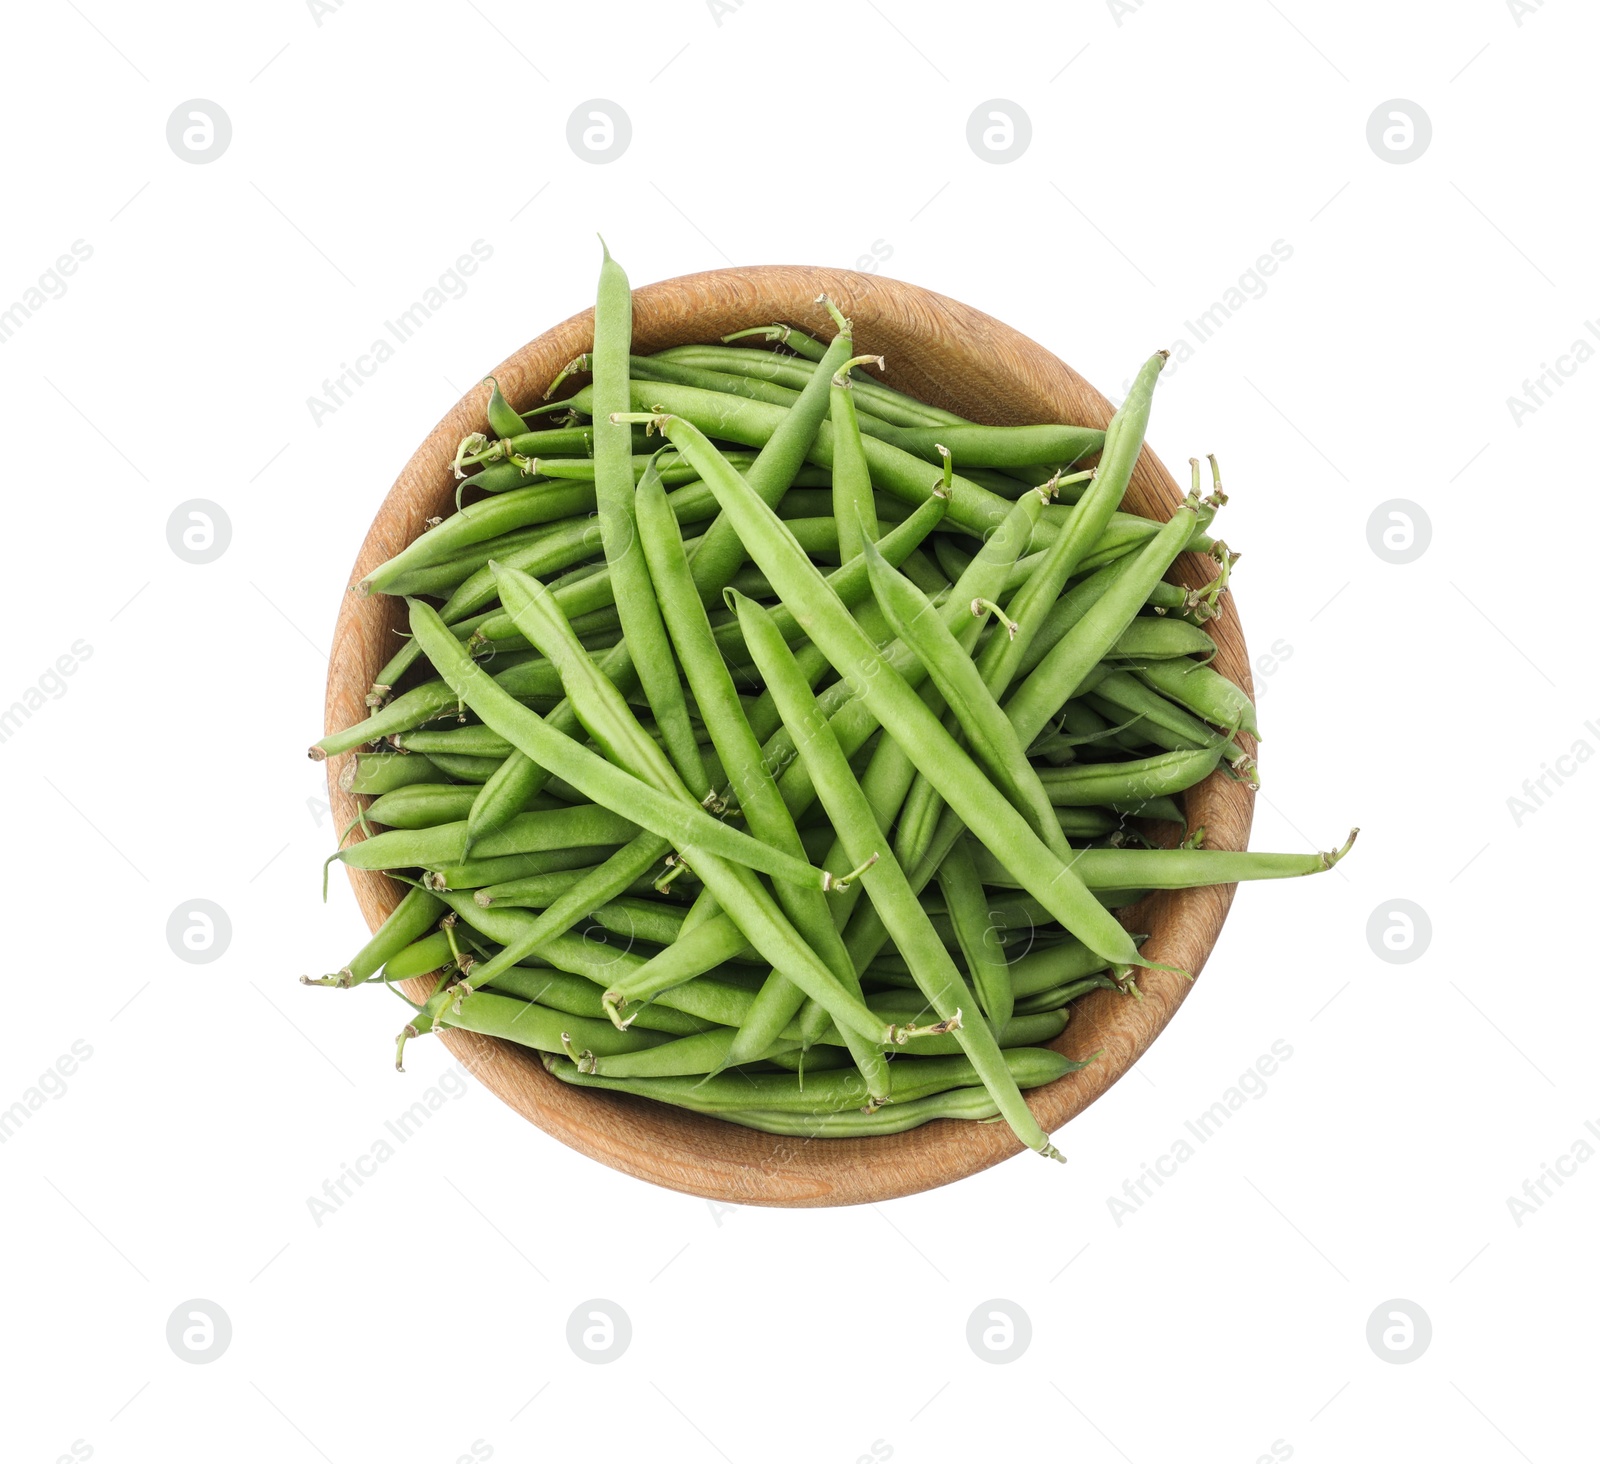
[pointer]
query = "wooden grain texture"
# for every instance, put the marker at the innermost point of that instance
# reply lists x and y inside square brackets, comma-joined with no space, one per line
[958,358]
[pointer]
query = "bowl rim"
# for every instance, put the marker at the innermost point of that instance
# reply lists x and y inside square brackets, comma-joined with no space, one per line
[927,338]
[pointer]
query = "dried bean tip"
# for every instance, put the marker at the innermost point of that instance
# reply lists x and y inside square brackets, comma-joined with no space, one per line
[1333,856]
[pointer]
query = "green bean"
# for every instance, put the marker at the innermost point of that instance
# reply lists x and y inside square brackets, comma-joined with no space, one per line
[583,537]
[699,949]
[503,420]
[894,787]
[969,913]
[427,805]
[522,935]
[471,741]
[973,1104]
[897,706]
[421,957]
[1164,638]
[735,888]
[884,401]
[823,1092]
[1203,691]
[563,992]
[1091,784]
[527,833]
[475,873]
[1057,677]
[763,807]
[536,891]
[1079,597]
[851,582]
[885,881]
[1183,869]
[796,340]
[1001,447]
[784,446]
[1051,966]
[638,919]
[896,472]
[649,649]
[422,703]
[530,1025]
[651,368]
[1160,721]
[992,738]
[1030,1029]
[415,914]
[1061,996]
[1088,521]
[680,822]
[541,503]
[853,508]
[707,1052]
[383,772]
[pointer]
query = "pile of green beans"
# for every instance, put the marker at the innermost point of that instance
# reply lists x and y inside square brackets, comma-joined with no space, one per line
[806,770]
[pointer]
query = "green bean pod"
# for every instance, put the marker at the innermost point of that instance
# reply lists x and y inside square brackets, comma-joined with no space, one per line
[881,873]
[680,822]
[1095,784]
[527,833]
[969,912]
[825,1092]
[897,706]
[1204,692]
[406,923]
[382,772]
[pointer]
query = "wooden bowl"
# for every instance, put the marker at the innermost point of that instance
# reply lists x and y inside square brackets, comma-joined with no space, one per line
[947,354]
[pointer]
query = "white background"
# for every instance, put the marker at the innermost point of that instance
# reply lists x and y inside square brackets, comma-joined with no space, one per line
[1171,146]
